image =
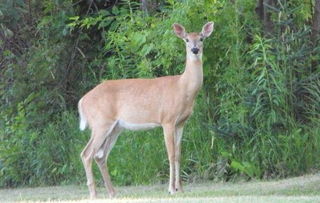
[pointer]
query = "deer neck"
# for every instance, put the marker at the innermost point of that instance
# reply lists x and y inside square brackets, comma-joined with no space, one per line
[192,76]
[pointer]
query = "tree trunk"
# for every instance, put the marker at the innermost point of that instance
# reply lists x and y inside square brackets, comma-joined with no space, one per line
[149,6]
[264,14]
[144,5]
[315,31]
[259,9]
[315,22]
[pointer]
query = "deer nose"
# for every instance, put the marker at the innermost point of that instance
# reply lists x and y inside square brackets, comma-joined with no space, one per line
[195,50]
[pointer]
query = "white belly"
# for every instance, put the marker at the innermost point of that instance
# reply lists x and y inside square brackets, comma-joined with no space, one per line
[135,126]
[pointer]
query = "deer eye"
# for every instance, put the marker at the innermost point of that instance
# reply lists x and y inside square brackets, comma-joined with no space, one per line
[187,40]
[201,39]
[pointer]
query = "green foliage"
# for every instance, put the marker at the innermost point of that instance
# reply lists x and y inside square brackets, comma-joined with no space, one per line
[39,156]
[256,117]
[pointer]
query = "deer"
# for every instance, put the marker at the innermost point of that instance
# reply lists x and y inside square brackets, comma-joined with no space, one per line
[141,104]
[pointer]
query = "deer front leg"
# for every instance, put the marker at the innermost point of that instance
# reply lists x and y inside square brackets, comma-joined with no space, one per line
[178,137]
[169,140]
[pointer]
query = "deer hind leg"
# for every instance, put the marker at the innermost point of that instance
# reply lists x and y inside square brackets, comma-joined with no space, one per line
[98,136]
[102,155]
[86,156]
[177,142]
[169,141]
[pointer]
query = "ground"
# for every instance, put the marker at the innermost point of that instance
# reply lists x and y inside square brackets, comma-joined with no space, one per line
[299,189]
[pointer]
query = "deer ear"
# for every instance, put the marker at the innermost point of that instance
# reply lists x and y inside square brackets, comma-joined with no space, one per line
[207,29]
[179,30]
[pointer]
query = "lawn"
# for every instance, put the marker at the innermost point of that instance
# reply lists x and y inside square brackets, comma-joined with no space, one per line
[299,189]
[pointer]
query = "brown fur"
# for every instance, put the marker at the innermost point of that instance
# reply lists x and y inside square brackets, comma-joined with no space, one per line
[164,101]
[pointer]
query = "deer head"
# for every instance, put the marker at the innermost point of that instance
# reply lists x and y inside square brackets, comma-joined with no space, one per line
[193,40]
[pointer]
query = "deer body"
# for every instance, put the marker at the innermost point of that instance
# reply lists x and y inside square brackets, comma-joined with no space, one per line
[140,104]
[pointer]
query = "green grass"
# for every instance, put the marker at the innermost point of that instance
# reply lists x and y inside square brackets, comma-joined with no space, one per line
[299,189]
